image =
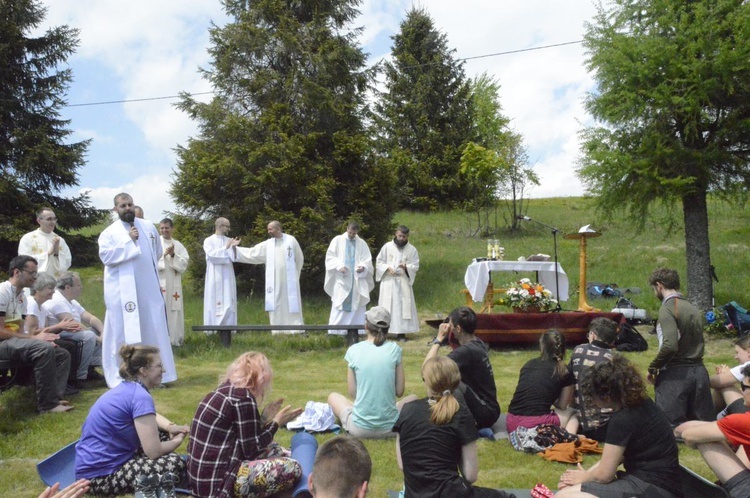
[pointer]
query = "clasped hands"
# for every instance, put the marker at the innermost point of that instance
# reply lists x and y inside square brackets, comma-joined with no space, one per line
[282,416]
[398,270]
[344,269]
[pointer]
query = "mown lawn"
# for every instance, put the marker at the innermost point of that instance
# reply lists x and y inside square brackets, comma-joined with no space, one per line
[308,368]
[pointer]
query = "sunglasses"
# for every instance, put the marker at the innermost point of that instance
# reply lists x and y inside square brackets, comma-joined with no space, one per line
[744,387]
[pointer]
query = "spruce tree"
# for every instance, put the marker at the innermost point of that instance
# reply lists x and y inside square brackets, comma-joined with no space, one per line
[283,138]
[425,116]
[37,158]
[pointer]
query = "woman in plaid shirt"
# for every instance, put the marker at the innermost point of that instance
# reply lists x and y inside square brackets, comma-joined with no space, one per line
[231,451]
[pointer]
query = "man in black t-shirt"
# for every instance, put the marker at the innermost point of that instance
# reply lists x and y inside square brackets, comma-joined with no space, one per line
[477,386]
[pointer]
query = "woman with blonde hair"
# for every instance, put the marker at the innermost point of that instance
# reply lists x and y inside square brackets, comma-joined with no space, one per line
[125,445]
[231,450]
[436,439]
[545,387]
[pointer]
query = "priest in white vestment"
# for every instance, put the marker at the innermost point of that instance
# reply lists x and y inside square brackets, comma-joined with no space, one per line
[283,258]
[348,278]
[172,264]
[44,245]
[136,314]
[396,268]
[220,291]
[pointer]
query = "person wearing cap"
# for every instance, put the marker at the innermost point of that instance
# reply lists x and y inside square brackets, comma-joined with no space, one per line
[375,378]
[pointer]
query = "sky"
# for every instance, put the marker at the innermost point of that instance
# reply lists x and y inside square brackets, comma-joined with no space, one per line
[153,49]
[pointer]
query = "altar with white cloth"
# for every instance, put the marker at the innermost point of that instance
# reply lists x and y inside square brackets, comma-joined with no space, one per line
[477,276]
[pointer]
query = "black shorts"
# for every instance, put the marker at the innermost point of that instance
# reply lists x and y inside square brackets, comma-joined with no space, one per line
[739,485]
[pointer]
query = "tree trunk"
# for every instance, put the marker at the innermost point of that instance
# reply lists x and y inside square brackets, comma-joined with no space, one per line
[697,250]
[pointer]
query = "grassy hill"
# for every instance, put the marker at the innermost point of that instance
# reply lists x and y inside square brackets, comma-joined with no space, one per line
[309,368]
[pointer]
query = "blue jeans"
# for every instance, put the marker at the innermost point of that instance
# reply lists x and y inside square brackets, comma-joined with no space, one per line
[91,354]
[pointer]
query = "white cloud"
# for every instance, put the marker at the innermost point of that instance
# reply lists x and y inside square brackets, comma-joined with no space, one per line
[148,191]
[146,48]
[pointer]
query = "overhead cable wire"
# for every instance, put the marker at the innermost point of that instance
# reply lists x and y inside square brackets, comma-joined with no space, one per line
[127,101]
[168,97]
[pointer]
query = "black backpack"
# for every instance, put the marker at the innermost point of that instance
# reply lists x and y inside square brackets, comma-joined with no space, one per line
[629,339]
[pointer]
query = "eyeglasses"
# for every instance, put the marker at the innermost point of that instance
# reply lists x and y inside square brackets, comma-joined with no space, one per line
[32,273]
[51,218]
[744,387]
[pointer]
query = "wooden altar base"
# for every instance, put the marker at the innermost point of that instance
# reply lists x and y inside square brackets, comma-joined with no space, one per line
[525,328]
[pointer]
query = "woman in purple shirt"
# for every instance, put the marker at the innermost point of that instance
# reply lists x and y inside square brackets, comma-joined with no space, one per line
[125,445]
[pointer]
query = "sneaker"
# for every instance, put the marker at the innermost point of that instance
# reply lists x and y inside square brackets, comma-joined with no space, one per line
[147,486]
[70,390]
[94,375]
[167,485]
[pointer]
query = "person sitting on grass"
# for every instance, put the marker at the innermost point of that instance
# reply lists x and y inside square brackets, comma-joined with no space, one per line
[589,419]
[125,445]
[544,382]
[437,438]
[711,438]
[639,437]
[231,451]
[726,395]
[327,479]
[375,378]
[477,388]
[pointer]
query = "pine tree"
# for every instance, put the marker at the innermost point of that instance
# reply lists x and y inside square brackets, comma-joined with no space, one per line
[425,116]
[284,138]
[37,160]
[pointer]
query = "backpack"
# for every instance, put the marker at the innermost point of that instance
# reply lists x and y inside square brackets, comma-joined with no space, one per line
[737,317]
[629,339]
[598,289]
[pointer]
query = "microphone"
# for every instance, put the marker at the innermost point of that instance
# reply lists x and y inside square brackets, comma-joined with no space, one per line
[522,217]
[132,225]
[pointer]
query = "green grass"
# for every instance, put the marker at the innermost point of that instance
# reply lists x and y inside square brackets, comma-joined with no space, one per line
[309,368]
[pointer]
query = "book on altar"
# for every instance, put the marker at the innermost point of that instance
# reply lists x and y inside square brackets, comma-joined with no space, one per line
[538,257]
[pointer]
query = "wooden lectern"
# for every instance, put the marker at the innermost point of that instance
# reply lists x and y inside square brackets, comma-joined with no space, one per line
[582,236]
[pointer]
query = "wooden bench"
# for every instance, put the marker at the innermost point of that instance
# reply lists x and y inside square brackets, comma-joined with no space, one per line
[225,331]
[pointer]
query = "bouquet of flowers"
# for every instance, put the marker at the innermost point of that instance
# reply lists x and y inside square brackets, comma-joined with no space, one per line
[527,295]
